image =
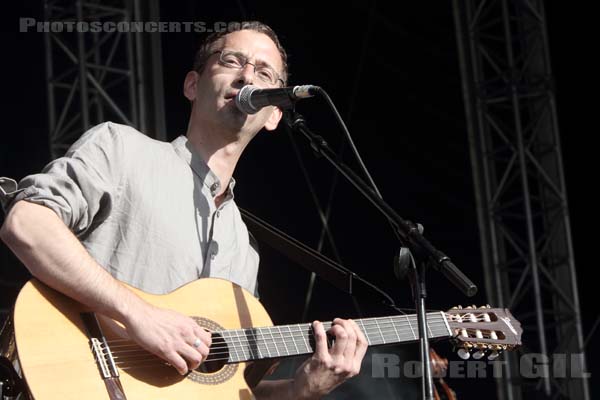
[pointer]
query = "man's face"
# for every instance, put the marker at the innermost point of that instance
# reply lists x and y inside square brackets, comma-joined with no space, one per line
[214,90]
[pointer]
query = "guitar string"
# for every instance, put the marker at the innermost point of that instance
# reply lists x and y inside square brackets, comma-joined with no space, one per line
[245,349]
[250,343]
[396,319]
[306,327]
[151,360]
[227,342]
[244,346]
[154,361]
[143,361]
[401,319]
[222,338]
[434,318]
[250,339]
[147,362]
[248,347]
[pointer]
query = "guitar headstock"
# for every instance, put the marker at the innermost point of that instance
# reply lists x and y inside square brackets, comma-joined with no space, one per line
[483,331]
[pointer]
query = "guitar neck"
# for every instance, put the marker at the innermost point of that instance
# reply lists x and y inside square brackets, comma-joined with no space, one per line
[252,344]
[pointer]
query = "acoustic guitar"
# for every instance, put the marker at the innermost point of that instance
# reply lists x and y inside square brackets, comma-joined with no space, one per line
[67,352]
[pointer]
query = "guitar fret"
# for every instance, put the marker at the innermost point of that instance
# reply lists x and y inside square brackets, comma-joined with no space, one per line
[379,329]
[255,347]
[242,348]
[429,328]
[411,328]
[303,335]
[232,345]
[389,330]
[265,344]
[394,326]
[227,341]
[293,339]
[362,325]
[284,340]
[261,331]
[274,343]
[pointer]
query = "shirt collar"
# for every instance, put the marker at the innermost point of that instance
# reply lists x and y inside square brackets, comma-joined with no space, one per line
[187,153]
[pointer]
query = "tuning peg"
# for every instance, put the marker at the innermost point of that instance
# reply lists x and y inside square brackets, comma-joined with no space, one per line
[493,355]
[478,354]
[488,306]
[463,353]
[469,307]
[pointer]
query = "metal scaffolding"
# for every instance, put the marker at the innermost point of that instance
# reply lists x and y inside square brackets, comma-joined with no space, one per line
[520,191]
[94,75]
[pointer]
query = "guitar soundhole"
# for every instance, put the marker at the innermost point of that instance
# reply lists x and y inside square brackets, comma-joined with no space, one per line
[214,369]
[218,356]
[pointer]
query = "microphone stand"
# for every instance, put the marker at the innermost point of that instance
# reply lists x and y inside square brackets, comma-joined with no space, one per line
[410,236]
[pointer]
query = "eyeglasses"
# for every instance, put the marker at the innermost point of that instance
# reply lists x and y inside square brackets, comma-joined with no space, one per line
[234,59]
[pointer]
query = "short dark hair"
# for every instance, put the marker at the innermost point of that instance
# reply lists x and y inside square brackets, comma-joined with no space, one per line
[204,51]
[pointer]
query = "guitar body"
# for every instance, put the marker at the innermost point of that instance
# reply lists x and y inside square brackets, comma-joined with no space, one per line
[57,362]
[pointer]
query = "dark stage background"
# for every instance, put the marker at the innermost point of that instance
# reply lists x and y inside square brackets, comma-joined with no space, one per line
[408,123]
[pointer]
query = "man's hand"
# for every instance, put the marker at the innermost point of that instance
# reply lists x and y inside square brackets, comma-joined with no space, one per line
[328,368]
[172,336]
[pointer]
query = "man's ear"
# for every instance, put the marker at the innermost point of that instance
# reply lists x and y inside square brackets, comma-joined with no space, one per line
[274,119]
[189,85]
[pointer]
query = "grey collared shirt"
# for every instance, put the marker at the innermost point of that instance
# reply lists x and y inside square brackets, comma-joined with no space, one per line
[144,209]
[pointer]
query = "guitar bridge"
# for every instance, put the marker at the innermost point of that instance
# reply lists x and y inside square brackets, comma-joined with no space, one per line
[103,356]
[105,364]
[99,346]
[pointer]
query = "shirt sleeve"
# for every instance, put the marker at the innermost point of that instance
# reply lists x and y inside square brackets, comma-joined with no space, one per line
[9,189]
[81,187]
[254,247]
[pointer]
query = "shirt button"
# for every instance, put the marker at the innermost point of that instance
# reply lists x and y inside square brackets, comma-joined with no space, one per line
[214,187]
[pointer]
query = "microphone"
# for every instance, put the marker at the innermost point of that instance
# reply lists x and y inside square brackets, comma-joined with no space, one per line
[250,99]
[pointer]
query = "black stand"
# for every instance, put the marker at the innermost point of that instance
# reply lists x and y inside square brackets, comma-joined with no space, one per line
[416,278]
[410,236]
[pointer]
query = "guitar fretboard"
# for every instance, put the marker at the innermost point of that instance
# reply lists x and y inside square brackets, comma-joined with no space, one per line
[290,340]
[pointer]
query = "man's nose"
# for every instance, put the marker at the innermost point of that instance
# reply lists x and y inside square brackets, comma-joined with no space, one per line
[247,74]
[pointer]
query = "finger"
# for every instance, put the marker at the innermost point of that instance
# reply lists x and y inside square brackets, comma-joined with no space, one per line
[350,348]
[204,336]
[320,341]
[361,348]
[201,348]
[177,362]
[341,340]
[192,356]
